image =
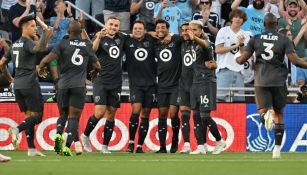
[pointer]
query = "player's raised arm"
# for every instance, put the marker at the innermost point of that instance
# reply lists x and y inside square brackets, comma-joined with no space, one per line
[42,43]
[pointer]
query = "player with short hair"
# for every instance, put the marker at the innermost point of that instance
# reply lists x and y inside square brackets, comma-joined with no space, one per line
[270,75]
[169,67]
[73,55]
[142,72]
[203,90]
[108,46]
[26,87]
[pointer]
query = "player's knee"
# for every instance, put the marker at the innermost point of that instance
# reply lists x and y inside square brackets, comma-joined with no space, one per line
[205,116]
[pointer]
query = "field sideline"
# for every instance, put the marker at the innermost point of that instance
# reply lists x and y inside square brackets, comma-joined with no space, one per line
[154,164]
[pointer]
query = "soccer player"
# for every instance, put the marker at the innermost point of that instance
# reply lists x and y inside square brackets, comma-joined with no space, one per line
[203,90]
[142,72]
[270,75]
[185,83]
[4,158]
[73,56]
[26,87]
[108,45]
[169,67]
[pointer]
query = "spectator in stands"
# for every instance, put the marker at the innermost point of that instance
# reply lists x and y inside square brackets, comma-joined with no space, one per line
[167,10]
[4,47]
[210,20]
[5,7]
[295,25]
[97,7]
[187,8]
[229,41]
[269,8]
[255,16]
[119,9]
[21,9]
[145,12]
[226,9]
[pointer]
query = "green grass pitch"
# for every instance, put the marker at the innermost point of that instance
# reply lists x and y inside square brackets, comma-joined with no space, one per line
[155,164]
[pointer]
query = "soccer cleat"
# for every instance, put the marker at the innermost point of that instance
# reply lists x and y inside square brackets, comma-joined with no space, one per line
[130,148]
[14,134]
[276,153]
[105,150]
[220,145]
[269,120]
[66,151]
[174,146]
[78,148]
[162,150]
[4,158]
[186,149]
[139,150]
[33,152]
[200,150]
[58,141]
[86,143]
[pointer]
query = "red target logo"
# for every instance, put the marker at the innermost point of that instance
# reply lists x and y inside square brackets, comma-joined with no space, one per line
[119,136]
[5,138]
[46,132]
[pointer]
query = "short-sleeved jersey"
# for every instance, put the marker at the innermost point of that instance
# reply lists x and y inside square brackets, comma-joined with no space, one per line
[146,12]
[172,15]
[110,53]
[188,55]
[73,57]
[270,48]
[169,63]
[200,73]
[140,59]
[24,61]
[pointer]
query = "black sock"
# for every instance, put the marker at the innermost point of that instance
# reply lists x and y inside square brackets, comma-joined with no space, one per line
[72,130]
[91,123]
[162,131]
[262,118]
[198,131]
[207,119]
[61,124]
[185,125]
[77,137]
[175,127]
[143,130]
[108,131]
[279,133]
[133,125]
[29,122]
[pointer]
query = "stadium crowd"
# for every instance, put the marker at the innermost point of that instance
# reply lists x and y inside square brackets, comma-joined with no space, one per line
[219,30]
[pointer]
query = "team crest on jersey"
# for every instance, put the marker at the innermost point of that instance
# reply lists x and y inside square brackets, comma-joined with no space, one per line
[150,5]
[97,99]
[140,54]
[114,52]
[166,55]
[146,44]
[117,41]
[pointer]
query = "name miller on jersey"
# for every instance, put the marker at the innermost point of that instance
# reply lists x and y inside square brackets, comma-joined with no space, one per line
[75,43]
[269,37]
[17,45]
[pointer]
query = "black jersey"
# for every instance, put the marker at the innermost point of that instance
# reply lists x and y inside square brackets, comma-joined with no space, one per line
[169,63]
[110,53]
[24,61]
[141,64]
[201,73]
[73,57]
[270,48]
[188,55]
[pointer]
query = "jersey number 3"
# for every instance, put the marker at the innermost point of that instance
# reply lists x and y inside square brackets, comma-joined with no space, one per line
[268,51]
[76,58]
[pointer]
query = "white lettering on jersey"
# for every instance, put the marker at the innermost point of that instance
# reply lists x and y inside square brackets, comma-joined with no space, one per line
[74,43]
[17,45]
[269,37]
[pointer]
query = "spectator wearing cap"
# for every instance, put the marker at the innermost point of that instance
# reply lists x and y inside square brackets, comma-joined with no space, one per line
[229,41]
[210,20]
[255,16]
[269,8]
[298,29]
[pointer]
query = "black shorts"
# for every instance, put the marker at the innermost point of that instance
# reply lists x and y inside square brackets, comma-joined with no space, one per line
[147,96]
[105,96]
[29,99]
[74,97]
[267,97]
[184,97]
[203,96]
[168,98]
